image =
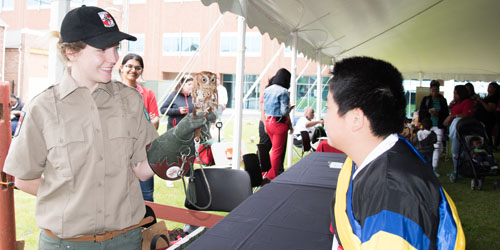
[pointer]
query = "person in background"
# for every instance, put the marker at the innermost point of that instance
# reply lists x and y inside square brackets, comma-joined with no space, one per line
[16,107]
[485,109]
[81,148]
[276,108]
[479,153]
[387,197]
[463,107]
[130,70]
[497,120]
[425,141]
[305,123]
[435,108]
[222,98]
[182,103]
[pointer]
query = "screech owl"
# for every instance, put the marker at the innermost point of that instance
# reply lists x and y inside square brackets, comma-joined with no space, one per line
[204,93]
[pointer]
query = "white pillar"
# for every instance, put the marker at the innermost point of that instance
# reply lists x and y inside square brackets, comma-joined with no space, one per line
[293,96]
[319,84]
[58,9]
[238,95]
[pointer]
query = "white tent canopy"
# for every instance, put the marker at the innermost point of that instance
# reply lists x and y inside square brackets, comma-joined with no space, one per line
[447,39]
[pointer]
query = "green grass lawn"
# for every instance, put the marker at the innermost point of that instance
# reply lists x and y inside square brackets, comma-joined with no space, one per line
[477,209]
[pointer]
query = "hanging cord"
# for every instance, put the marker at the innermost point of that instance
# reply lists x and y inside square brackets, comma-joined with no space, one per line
[192,179]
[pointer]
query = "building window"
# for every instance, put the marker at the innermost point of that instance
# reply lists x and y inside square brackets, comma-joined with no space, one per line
[180,43]
[38,4]
[288,52]
[6,5]
[117,2]
[306,92]
[229,40]
[136,46]
[252,102]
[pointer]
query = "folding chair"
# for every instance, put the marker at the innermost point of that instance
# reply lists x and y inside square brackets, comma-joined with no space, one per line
[305,146]
[264,158]
[228,188]
[252,166]
[306,142]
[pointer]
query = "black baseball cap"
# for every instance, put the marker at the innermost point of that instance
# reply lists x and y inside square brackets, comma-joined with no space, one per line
[93,26]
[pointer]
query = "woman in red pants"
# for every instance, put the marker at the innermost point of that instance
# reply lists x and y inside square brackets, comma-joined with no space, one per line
[277,107]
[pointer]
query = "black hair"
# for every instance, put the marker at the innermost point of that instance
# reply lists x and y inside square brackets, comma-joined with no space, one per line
[462,92]
[435,83]
[282,78]
[375,87]
[427,124]
[495,85]
[131,56]
[270,82]
[470,87]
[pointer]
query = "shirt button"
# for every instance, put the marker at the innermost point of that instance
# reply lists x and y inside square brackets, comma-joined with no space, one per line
[97,130]
[99,184]
[61,140]
[99,210]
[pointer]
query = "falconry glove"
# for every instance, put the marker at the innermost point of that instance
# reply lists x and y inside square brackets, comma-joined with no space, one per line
[172,154]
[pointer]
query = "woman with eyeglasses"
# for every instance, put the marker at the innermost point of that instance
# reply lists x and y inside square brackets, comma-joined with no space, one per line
[130,70]
[182,103]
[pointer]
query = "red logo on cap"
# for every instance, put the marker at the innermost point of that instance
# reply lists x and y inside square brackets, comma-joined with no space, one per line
[106,18]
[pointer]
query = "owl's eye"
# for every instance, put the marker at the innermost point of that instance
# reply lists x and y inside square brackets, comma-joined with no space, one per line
[213,79]
[204,79]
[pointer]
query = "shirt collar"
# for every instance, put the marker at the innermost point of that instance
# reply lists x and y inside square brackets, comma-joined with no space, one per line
[385,145]
[68,85]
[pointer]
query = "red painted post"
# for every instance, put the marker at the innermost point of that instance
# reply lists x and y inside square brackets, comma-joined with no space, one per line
[7,213]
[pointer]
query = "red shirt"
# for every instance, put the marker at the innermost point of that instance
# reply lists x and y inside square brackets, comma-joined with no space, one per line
[149,99]
[463,108]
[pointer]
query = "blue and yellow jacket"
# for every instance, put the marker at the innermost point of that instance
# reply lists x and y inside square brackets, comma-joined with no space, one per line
[395,202]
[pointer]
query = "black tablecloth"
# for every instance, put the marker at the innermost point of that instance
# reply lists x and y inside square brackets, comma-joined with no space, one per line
[291,212]
[313,170]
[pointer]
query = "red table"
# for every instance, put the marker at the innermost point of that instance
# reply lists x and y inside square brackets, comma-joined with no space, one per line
[324,147]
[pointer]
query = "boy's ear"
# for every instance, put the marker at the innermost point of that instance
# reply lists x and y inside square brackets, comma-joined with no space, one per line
[357,119]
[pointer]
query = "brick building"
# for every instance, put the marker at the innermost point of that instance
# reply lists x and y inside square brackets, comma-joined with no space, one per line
[168,32]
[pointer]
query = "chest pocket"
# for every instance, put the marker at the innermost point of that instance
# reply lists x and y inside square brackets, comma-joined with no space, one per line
[122,135]
[61,143]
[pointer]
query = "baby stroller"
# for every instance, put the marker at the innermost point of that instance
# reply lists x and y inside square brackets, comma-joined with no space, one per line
[467,129]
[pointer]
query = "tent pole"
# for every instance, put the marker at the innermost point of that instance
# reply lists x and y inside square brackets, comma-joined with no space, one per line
[240,65]
[293,96]
[319,82]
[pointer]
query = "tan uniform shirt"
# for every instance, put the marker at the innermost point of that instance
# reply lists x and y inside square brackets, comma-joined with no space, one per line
[84,144]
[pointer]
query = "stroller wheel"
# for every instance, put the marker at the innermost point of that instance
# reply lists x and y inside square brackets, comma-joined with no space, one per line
[453,178]
[472,184]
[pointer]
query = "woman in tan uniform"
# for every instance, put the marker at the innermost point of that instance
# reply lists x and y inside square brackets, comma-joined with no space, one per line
[81,146]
